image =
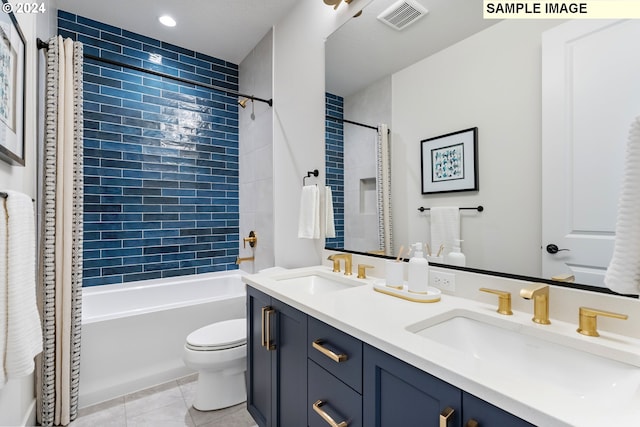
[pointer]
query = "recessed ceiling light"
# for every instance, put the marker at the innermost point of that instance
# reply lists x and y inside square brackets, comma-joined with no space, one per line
[167,20]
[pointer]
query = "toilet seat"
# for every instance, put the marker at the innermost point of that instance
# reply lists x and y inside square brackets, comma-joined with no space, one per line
[218,336]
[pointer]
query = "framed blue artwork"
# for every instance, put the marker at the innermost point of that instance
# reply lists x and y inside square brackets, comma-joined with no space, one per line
[449,162]
[12,79]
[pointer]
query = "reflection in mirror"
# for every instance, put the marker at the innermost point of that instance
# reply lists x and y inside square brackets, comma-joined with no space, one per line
[485,74]
[358,171]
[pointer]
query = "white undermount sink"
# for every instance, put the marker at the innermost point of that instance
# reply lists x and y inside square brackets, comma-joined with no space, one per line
[522,352]
[317,282]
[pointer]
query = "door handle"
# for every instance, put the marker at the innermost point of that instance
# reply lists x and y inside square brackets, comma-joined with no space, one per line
[553,249]
[472,423]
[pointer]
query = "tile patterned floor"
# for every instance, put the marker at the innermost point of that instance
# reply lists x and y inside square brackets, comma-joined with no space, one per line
[166,405]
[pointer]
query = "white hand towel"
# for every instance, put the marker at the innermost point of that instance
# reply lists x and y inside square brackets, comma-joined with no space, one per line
[623,274]
[23,327]
[309,220]
[330,226]
[445,228]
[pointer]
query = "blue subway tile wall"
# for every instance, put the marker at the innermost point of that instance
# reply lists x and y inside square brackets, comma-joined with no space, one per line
[161,158]
[334,160]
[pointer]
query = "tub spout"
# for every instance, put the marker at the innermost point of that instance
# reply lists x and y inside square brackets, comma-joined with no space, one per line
[240,260]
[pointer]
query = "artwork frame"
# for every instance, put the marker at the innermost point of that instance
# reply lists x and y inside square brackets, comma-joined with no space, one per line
[449,162]
[12,89]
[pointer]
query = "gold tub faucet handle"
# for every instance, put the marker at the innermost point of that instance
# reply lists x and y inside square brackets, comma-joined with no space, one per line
[252,239]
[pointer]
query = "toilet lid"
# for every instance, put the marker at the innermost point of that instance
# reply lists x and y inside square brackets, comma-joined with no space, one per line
[219,336]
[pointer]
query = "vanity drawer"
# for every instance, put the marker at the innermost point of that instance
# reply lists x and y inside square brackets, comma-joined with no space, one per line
[332,397]
[337,352]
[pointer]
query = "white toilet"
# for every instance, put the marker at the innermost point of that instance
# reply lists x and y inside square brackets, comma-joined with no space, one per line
[219,353]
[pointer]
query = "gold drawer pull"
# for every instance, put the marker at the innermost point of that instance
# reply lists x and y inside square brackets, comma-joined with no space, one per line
[472,423]
[317,344]
[446,416]
[327,417]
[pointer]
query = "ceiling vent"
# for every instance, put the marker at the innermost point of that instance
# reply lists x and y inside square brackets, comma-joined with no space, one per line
[402,14]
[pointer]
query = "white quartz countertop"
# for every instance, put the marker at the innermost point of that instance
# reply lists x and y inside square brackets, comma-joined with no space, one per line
[381,321]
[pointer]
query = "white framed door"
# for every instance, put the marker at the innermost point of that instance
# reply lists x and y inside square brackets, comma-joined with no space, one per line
[590,95]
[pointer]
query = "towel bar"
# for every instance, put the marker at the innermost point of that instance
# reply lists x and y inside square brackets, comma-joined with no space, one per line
[478,208]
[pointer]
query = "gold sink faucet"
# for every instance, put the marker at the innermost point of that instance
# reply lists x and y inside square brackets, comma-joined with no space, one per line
[539,292]
[336,263]
[589,318]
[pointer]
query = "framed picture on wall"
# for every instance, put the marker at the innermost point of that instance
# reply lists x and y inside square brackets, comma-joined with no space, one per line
[449,162]
[12,80]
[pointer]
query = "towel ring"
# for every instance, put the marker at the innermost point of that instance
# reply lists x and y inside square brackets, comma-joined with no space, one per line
[309,174]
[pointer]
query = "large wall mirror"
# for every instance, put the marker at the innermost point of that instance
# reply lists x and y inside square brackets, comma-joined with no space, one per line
[452,70]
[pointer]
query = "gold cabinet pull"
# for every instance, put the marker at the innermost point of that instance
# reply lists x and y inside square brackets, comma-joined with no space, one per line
[472,423]
[338,358]
[327,417]
[589,318]
[504,300]
[263,326]
[446,416]
[266,328]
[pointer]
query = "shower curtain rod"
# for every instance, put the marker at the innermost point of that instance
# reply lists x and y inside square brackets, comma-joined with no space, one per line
[338,119]
[44,45]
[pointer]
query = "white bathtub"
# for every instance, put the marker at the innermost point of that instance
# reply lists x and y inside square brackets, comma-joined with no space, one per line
[133,334]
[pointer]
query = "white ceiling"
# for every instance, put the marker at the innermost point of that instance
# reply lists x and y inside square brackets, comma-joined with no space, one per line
[361,52]
[365,50]
[225,29]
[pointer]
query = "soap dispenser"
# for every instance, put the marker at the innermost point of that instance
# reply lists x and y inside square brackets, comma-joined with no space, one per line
[456,257]
[418,271]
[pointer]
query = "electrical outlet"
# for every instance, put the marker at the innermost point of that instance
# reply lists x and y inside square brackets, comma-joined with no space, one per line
[443,281]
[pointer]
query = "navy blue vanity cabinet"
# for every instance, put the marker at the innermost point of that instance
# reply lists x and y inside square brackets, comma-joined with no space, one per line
[277,362]
[303,372]
[398,394]
[478,413]
[334,376]
[259,399]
